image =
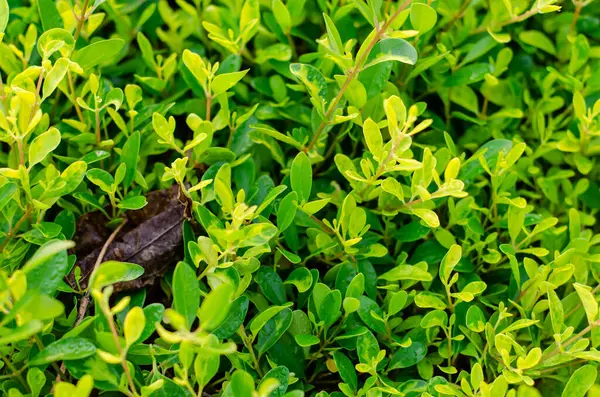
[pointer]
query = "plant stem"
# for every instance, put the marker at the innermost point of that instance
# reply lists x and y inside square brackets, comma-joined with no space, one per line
[15,229]
[122,353]
[449,336]
[18,373]
[576,14]
[351,75]
[21,151]
[60,374]
[98,136]
[81,20]
[571,340]
[484,108]
[38,88]
[74,96]
[596,288]
[248,343]
[208,106]
[458,15]
[514,19]
[292,46]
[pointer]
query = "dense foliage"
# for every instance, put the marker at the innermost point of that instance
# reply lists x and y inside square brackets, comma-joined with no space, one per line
[269,198]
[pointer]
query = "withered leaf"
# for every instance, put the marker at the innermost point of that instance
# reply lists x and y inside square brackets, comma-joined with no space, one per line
[152,238]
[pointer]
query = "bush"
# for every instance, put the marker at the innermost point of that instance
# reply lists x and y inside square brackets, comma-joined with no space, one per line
[299,198]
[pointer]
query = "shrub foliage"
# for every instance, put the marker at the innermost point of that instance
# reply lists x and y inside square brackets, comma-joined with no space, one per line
[269,198]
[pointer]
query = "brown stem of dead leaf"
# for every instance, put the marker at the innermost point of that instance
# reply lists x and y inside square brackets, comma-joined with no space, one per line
[85,301]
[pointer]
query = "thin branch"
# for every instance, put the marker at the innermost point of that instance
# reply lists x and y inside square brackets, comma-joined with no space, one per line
[353,73]
[15,229]
[514,19]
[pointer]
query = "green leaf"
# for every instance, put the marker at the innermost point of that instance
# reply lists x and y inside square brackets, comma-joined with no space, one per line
[406,272]
[580,54]
[588,301]
[468,75]
[265,129]
[36,380]
[271,285]
[241,384]
[368,307]
[113,272]
[4,11]
[46,252]
[250,15]
[261,319]
[301,278]
[280,375]
[54,40]
[46,269]
[273,330]
[466,97]
[397,302]
[450,260]
[130,157]
[424,64]
[7,193]
[54,77]
[392,49]
[258,234]
[538,39]
[422,17]
[42,145]
[373,138]
[312,79]
[270,197]
[135,322]
[333,35]
[186,292]
[98,52]
[355,93]
[64,349]
[367,347]
[365,10]
[235,318]
[581,381]
[406,357]
[429,300]
[346,370]
[225,81]
[148,53]
[101,178]
[329,308]
[215,307]
[153,314]
[282,15]
[22,332]
[206,366]
[114,97]
[48,14]
[307,340]
[489,151]
[301,176]
[435,318]
[287,211]
[133,203]
[557,314]
[482,47]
